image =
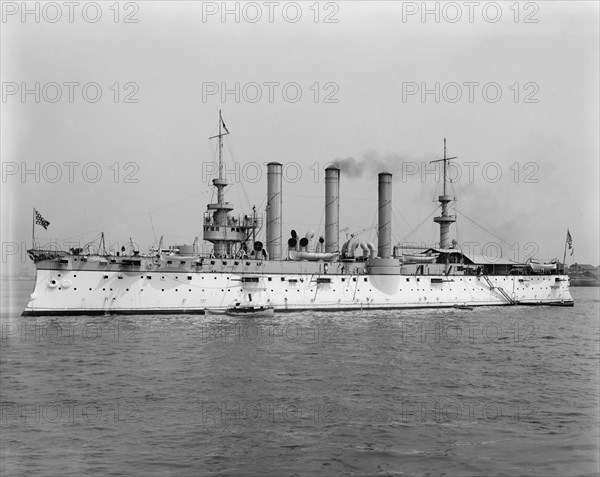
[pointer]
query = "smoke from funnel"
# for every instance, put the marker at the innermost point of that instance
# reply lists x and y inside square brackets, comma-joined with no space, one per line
[371,162]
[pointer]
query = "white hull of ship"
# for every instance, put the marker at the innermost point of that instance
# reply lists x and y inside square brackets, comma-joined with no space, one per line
[86,292]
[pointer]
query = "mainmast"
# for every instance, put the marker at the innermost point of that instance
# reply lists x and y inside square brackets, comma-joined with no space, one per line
[445,220]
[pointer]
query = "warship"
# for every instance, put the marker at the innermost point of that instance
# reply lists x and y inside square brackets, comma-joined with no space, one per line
[305,273]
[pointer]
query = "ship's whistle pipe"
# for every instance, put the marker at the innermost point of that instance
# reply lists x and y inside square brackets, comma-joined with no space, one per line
[274,206]
[384,231]
[332,209]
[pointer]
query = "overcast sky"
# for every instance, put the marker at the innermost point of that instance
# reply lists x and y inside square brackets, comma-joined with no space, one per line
[513,88]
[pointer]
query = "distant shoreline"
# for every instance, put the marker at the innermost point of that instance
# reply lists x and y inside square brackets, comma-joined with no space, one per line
[576,282]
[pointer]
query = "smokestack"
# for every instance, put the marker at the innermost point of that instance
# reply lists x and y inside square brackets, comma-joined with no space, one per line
[384,231]
[332,209]
[274,202]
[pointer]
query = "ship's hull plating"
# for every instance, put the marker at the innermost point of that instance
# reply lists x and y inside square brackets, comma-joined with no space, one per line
[88,292]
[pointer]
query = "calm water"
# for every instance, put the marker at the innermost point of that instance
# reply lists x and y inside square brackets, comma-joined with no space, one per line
[494,391]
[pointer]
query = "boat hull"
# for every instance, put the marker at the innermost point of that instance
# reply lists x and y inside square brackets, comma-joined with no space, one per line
[94,292]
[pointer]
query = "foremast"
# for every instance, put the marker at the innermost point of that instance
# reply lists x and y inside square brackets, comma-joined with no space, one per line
[445,219]
[224,231]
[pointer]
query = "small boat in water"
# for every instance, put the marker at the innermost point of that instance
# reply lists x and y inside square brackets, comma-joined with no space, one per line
[250,311]
[247,311]
[463,307]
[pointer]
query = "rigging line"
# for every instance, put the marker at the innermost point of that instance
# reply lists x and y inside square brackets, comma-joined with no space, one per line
[319,234]
[375,214]
[259,207]
[418,226]
[490,232]
[56,243]
[481,227]
[457,229]
[397,211]
[100,229]
[421,201]
[416,231]
[263,201]
[395,222]
[463,194]
[232,154]
[152,224]
[295,225]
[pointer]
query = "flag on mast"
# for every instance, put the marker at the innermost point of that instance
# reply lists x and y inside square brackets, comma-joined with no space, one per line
[224,127]
[570,242]
[39,220]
